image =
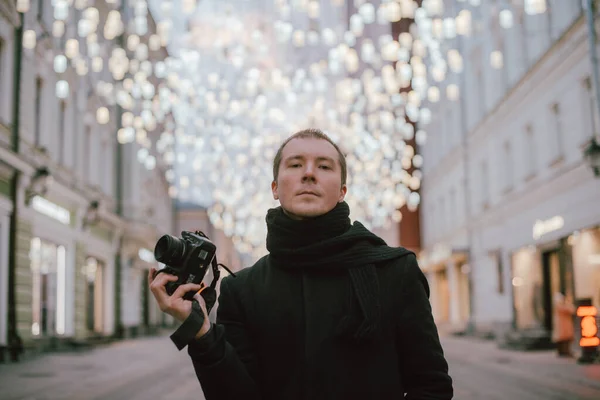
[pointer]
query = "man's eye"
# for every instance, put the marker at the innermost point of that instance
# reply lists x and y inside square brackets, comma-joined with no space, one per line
[325,167]
[295,165]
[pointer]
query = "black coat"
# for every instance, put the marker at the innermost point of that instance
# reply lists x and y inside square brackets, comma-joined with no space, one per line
[275,339]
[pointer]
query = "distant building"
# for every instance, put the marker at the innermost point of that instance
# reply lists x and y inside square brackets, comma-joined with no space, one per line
[510,208]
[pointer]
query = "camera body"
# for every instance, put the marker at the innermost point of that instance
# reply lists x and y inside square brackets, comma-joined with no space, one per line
[188,258]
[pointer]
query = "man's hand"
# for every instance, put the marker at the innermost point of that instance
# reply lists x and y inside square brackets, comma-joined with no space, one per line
[175,305]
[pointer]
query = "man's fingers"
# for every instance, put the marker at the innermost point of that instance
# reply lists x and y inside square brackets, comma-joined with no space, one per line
[161,280]
[158,289]
[188,287]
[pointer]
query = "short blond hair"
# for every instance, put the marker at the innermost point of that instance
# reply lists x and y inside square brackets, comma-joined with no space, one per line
[306,134]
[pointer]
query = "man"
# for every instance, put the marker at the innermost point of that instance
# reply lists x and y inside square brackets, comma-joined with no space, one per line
[330,313]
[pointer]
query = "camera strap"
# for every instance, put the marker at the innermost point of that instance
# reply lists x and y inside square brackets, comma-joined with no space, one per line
[193,323]
[190,327]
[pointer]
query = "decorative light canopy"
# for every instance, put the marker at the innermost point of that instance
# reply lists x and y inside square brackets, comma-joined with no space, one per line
[246,75]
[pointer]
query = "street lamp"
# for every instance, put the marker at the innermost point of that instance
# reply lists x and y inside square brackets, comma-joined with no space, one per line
[91,214]
[39,184]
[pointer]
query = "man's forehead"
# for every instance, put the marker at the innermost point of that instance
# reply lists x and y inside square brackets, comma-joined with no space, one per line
[309,147]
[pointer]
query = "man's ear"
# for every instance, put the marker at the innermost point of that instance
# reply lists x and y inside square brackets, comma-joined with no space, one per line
[274,190]
[343,192]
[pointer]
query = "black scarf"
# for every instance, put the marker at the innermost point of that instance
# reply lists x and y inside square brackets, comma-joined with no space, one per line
[331,242]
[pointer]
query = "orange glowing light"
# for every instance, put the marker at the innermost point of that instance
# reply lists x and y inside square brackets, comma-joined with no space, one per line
[589,342]
[583,311]
[589,328]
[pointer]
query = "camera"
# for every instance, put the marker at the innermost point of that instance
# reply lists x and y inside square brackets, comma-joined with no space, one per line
[188,258]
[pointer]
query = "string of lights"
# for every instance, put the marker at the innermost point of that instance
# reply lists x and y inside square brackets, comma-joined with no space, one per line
[245,75]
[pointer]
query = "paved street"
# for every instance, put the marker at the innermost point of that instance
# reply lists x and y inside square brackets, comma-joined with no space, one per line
[151,368]
[482,371]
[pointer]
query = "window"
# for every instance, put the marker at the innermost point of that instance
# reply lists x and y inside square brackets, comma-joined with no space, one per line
[40,10]
[61,132]
[503,70]
[87,141]
[523,39]
[556,141]
[589,110]
[508,166]
[39,86]
[477,87]
[93,273]
[485,185]
[480,101]
[49,277]
[527,288]
[497,60]
[499,271]
[550,22]
[530,151]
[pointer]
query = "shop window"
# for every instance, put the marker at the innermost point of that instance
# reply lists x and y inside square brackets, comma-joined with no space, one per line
[93,273]
[444,296]
[537,277]
[527,282]
[48,267]
[585,249]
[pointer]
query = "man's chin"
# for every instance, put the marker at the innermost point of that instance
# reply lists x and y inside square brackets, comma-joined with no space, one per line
[304,211]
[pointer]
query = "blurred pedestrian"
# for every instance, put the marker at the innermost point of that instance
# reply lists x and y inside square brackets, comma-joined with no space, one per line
[563,331]
[330,313]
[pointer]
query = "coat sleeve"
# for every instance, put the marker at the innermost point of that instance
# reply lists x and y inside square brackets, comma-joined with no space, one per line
[421,358]
[225,361]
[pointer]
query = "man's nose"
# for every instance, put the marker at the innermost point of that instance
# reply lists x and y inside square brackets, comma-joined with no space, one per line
[309,172]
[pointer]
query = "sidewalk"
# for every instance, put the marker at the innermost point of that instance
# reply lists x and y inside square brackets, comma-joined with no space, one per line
[145,368]
[541,372]
[152,368]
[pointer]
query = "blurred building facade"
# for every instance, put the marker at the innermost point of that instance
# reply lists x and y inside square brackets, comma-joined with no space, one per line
[79,214]
[510,206]
[9,21]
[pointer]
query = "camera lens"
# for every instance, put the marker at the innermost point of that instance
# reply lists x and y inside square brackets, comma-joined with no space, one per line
[169,250]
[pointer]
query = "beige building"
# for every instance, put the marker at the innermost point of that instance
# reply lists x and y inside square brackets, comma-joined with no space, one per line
[79,213]
[510,204]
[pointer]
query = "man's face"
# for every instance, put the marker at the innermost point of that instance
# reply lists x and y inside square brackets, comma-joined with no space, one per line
[310,178]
